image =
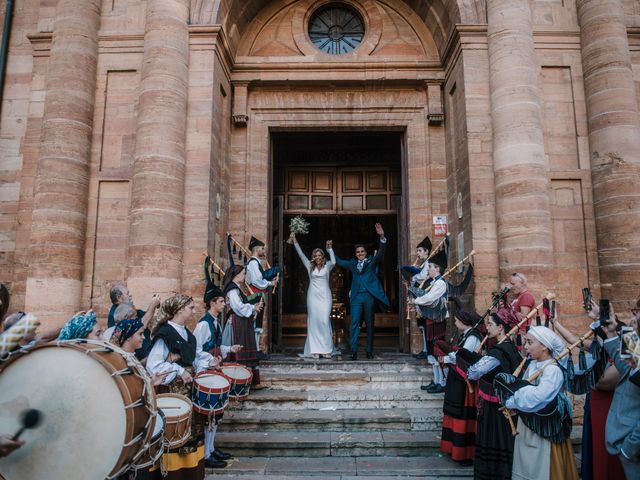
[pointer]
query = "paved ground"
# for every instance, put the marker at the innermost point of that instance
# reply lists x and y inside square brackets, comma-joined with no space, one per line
[342,468]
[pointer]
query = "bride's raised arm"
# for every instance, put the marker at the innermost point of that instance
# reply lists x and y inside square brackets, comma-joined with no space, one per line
[301,254]
[332,256]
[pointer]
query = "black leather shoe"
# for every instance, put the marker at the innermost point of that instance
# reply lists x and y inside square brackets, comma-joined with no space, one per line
[427,387]
[436,389]
[353,356]
[369,355]
[262,356]
[220,455]
[420,356]
[213,463]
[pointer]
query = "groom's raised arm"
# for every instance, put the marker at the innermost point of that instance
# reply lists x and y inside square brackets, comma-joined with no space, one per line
[382,244]
[339,261]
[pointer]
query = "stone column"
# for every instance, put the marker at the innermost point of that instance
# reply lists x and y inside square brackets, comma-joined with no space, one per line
[61,189]
[157,205]
[614,144]
[519,162]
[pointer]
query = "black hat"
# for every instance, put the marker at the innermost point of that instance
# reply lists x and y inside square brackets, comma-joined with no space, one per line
[229,275]
[212,292]
[426,244]
[440,258]
[254,242]
[468,317]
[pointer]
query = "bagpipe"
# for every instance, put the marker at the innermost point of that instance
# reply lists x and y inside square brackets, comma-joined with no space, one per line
[553,421]
[213,270]
[235,248]
[517,327]
[438,311]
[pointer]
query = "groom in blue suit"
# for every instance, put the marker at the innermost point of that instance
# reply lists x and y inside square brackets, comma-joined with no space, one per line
[365,290]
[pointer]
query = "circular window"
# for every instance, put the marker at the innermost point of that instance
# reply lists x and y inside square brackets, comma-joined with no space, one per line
[336,29]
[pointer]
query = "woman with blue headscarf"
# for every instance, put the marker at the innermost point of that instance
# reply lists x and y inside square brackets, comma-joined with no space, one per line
[83,325]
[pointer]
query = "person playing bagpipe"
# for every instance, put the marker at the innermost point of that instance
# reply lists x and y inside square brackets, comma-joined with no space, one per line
[459,421]
[208,333]
[415,275]
[494,441]
[542,449]
[260,280]
[239,329]
[433,306]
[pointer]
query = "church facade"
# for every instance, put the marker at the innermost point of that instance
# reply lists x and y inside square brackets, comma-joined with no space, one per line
[136,133]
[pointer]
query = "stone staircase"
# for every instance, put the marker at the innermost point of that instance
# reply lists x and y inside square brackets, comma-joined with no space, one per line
[337,419]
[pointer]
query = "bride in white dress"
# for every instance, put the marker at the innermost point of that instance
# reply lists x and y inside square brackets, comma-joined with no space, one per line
[319,334]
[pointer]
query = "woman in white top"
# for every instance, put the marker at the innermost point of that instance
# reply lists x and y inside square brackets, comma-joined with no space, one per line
[319,302]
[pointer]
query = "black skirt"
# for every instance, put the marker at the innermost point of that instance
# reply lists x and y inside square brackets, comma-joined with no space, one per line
[494,444]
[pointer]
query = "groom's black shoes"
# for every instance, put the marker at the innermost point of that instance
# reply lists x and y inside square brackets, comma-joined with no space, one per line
[353,356]
[369,355]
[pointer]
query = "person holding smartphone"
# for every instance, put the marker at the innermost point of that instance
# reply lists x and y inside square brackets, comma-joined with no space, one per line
[622,432]
[597,464]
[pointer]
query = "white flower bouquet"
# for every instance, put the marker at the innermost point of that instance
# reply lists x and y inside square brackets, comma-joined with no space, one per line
[299,226]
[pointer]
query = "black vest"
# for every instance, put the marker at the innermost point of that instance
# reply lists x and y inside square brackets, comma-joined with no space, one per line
[176,344]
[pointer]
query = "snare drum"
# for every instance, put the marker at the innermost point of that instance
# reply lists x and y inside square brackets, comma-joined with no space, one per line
[98,406]
[210,392]
[177,411]
[240,378]
[151,455]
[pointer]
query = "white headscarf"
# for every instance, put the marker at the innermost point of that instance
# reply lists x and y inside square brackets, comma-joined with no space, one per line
[549,339]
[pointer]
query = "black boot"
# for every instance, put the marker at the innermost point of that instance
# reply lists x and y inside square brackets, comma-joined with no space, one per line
[220,455]
[211,462]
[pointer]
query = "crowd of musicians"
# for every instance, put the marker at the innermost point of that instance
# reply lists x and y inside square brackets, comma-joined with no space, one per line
[506,375]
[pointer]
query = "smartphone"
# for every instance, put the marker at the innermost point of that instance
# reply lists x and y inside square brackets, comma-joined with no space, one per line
[604,312]
[586,299]
[625,352]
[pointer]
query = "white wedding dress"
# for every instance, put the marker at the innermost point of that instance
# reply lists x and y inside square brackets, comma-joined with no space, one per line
[319,302]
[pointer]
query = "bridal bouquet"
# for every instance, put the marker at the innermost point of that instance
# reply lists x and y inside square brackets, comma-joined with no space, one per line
[299,226]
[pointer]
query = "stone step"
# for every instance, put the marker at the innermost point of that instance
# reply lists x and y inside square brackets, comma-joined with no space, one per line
[338,399]
[314,379]
[423,419]
[342,468]
[383,362]
[328,444]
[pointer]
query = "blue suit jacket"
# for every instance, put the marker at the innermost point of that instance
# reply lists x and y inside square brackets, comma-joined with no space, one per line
[622,431]
[367,278]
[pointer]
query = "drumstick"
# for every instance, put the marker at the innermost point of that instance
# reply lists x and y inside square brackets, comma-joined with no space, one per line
[30,419]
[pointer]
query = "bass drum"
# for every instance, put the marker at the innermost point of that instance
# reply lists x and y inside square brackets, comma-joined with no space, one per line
[98,407]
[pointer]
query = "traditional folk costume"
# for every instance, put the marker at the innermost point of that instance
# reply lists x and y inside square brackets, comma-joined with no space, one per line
[78,327]
[417,276]
[494,441]
[208,333]
[459,421]
[186,462]
[260,280]
[239,328]
[545,454]
[433,306]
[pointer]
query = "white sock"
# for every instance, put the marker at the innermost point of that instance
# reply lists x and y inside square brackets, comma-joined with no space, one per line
[445,373]
[257,335]
[209,436]
[424,340]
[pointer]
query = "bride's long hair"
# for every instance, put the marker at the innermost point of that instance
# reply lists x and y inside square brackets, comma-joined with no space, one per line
[313,262]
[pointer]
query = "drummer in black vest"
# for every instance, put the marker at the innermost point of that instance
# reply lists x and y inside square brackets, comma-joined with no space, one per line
[208,333]
[171,338]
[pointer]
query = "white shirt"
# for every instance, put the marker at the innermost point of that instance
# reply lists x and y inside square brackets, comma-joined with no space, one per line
[423,275]
[535,397]
[238,306]
[471,343]
[203,335]
[438,289]
[254,277]
[157,360]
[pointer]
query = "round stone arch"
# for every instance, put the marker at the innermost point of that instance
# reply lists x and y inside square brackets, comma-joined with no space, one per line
[440,16]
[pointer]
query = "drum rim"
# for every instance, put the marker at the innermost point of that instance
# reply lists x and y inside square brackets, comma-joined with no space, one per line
[173,418]
[202,388]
